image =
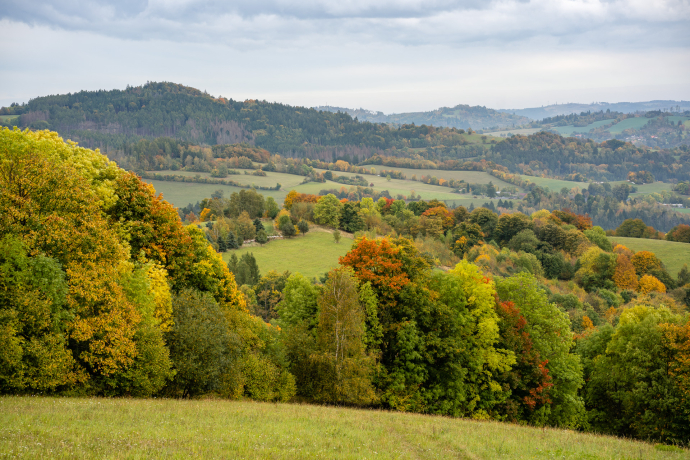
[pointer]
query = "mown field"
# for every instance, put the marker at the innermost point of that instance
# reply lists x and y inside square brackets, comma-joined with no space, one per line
[554,184]
[180,194]
[504,133]
[569,130]
[671,253]
[94,428]
[312,255]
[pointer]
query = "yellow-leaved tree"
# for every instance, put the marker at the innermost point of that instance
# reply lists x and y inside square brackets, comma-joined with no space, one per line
[649,283]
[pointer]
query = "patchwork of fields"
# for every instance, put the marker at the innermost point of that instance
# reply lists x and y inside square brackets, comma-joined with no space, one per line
[182,193]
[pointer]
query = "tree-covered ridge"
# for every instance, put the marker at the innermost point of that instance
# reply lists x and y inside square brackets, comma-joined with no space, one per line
[554,155]
[461,116]
[113,118]
[117,120]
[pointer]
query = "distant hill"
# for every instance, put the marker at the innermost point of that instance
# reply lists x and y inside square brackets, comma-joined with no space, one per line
[538,113]
[116,119]
[460,116]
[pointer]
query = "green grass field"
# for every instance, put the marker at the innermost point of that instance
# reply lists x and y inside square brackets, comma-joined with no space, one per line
[505,133]
[554,185]
[671,253]
[180,194]
[569,130]
[634,123]
[95,428]
[8,118]
[312,255]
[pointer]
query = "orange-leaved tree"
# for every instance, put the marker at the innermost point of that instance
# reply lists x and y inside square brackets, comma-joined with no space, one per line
[625,276]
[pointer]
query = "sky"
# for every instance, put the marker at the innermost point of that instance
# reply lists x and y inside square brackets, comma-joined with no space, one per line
[392,56]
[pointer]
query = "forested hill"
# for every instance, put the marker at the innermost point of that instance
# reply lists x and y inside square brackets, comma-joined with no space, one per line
[553,110]
[460,116]
[109,119]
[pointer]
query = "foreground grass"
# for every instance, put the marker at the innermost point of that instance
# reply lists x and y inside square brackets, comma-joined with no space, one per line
[312,255]
[671,253]
[38,427]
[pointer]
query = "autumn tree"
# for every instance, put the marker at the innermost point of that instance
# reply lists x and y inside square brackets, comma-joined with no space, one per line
[625,276]
[549,330]
[649,283]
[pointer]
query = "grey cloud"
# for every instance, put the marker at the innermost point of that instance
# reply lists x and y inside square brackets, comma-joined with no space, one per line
[248,24]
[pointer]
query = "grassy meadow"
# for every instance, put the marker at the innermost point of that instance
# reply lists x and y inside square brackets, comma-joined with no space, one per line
[312,255]
[506,132]
[554,184]
[182,193]
[671,253]
[95,428]
[569,130]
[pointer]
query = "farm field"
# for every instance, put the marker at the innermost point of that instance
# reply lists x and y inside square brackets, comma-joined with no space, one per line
[8,118]
[180,194]
[505,133]
[634,123]
[569,130]
[671,253]
[312,255]
[472,177]
[554,184]
[96,428]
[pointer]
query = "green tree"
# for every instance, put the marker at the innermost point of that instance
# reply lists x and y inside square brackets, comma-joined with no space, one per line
[261,237]
[272,208]
[549,329]
[327,211]
[200,346]
[303,227]
[633,228]
[630,391]
[340,339]
[486,219]
[299,304]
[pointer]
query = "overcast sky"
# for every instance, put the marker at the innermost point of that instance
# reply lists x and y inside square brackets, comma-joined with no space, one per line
[392,56]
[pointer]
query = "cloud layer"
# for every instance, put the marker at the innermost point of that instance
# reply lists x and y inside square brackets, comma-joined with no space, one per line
[283,23]
[394,56]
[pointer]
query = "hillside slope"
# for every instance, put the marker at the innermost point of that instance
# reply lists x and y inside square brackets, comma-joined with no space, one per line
[460,116]
[143,428]
[552,110]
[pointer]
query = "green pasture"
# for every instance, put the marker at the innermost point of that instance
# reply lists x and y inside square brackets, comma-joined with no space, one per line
[8,118]
[34,427]
[180,194]
[671,253]
[312,255]
[569,130]
[628,123]
[506,133]
[554,184]
[472,177]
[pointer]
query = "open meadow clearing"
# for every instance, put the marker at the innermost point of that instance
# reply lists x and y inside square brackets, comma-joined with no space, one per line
[671,253]
[96,428]
[523,132]
[554,184]
[569,130]
[312,255]
[180,194]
